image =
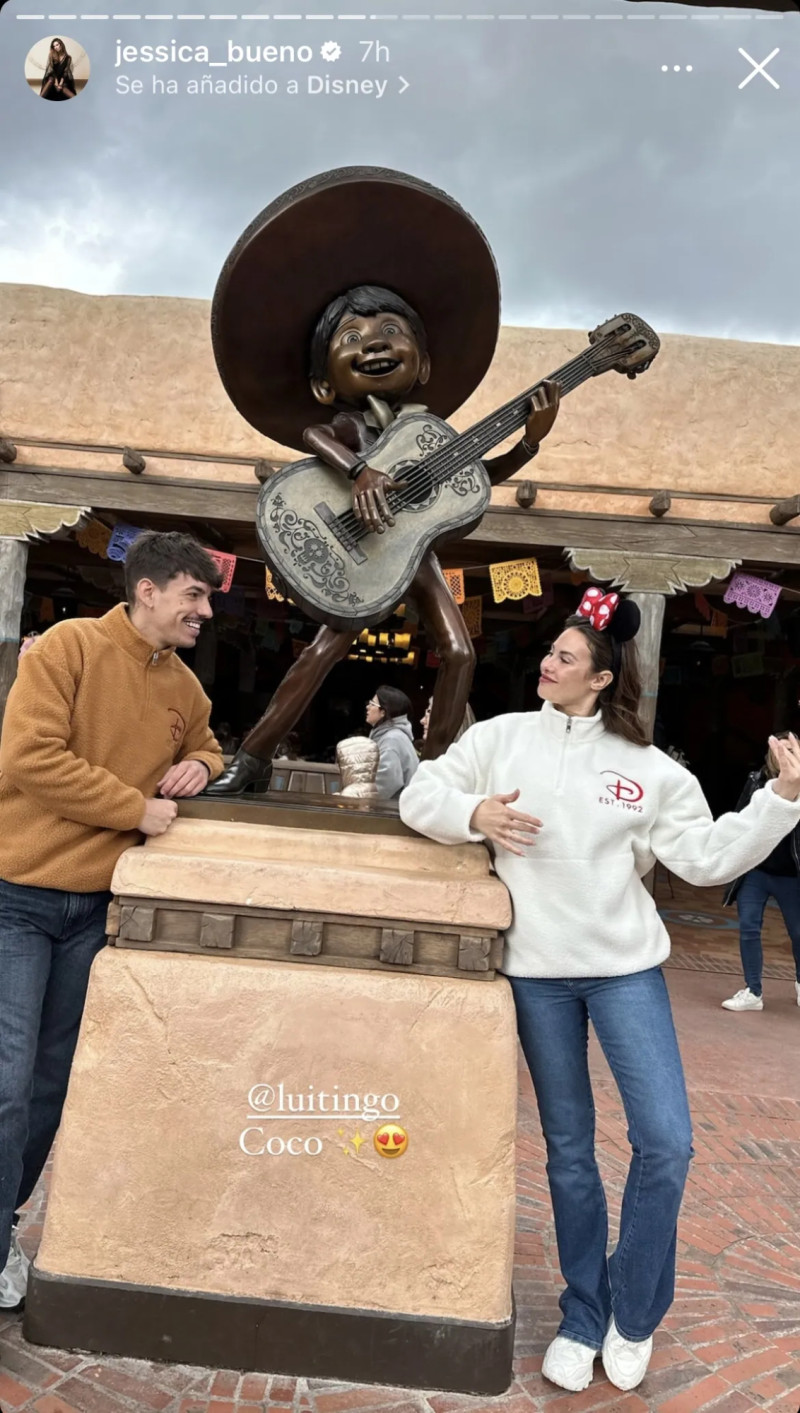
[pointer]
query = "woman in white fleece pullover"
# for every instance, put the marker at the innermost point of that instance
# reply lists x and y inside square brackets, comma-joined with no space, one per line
[595,807]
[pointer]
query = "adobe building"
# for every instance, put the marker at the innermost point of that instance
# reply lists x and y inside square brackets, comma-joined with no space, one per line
[111,410]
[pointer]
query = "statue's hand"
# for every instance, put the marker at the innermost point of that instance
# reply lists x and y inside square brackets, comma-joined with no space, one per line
[370,504]
[543,413]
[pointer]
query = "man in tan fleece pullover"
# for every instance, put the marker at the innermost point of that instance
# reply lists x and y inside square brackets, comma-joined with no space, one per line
[104,728]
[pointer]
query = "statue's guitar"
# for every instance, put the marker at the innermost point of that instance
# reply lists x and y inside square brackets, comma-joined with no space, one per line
[341,574]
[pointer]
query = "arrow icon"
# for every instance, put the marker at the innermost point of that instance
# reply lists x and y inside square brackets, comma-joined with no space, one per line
[405,84]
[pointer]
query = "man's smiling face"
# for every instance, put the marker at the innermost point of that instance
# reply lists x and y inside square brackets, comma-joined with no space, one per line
[372,354]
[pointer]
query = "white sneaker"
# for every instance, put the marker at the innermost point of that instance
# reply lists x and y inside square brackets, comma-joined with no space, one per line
[744,1000]
[14,1276]
[569,1364]
[625,1360]
[797,991]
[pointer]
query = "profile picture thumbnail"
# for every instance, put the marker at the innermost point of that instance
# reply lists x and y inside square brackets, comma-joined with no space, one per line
[57,68]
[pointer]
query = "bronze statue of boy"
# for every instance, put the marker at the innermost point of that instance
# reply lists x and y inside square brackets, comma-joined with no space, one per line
[372,356]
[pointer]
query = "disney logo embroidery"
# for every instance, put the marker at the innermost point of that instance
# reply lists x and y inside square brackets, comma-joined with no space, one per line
[623,791]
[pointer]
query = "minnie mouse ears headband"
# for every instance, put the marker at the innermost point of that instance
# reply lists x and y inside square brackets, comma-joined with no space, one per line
[621,617]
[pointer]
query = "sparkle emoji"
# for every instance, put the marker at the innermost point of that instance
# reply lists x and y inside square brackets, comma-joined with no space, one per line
[391,1141]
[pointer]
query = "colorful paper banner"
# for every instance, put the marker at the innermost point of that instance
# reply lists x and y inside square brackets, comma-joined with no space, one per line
[472,613]
[757,595]
[455,583]
[271,587]
[515,579]
[95,537]
[226,564]
[122,538]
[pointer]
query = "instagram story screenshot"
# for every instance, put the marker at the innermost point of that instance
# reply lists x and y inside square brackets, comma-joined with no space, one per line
[399,706]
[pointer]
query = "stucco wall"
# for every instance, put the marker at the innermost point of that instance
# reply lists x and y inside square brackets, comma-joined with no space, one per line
[711,415]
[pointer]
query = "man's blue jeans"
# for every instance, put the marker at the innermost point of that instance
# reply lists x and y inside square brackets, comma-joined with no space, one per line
[48,941]
[632,1019]
[755,889]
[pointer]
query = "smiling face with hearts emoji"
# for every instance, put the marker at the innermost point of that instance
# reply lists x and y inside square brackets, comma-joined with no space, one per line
[391,1141]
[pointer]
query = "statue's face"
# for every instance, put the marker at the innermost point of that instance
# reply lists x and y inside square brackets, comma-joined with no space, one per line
[372,354]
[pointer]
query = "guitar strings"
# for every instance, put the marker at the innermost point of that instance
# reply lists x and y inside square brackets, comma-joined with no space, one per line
[570,376]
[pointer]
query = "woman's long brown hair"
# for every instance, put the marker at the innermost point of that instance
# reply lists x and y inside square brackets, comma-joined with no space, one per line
[619,702]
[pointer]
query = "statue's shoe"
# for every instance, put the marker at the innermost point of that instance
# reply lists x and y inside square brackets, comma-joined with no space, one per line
[245,772]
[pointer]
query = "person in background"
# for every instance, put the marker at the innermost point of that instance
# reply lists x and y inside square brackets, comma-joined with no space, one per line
[103,719]
[388,714]
[27,642]
[777,877]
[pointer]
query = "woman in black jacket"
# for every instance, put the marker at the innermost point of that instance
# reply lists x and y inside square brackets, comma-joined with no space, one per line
[777,877]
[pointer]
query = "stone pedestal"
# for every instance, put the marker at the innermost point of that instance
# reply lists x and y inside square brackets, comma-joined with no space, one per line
[291,1167]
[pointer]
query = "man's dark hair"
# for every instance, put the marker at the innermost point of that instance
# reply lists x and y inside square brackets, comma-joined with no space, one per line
[162,557]
[363,300]
[393,702]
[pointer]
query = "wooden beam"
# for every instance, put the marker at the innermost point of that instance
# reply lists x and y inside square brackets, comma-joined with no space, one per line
[210,500]
[643,536]
[107,491]
[785,511]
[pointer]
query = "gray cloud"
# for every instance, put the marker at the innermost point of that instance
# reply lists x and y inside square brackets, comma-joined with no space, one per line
[602,182]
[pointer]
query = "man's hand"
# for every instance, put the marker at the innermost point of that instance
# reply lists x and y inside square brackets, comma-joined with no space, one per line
[158,816]
[787,754]
[509,828]
[543,413]
[188,777]
[370,504]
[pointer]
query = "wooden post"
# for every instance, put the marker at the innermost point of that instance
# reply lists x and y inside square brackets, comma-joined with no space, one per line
[13,564]
[648,646]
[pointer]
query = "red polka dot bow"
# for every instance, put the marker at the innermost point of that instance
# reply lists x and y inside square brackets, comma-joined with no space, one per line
[598,607]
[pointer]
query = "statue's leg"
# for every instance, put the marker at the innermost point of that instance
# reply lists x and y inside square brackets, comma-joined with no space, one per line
[252,764]
[441,614]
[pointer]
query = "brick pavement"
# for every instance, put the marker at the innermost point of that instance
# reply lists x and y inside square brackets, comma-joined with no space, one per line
[730,1343]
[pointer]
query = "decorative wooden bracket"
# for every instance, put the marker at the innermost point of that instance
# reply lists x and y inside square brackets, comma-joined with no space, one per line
[306,938]
[8,452]
[133,461]
[113,920]
[660,503]
[649,573]
[526,494]
[785,511]
[397,948]
[473,953]
[216,930]
[137,924]
[28,520]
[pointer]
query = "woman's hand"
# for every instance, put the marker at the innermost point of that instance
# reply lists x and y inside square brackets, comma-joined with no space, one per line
[787,754]
[509,828]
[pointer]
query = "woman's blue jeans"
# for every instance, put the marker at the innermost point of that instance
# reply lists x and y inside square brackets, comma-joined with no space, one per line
[754,892]
[632,1019]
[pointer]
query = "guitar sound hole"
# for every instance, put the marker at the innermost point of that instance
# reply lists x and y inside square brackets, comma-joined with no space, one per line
[420,490]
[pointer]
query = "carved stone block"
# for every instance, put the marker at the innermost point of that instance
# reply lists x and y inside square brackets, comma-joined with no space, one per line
[473,953]
[216,930]
[397,948]
[136,923]
[306,938]
[113,920]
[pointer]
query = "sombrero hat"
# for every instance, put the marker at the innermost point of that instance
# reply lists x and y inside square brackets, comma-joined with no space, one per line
[351,226]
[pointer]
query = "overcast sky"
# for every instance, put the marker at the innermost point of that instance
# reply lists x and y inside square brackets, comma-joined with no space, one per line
[602,182]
